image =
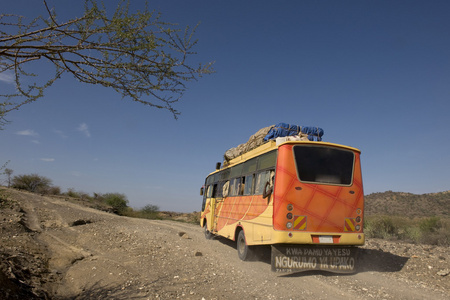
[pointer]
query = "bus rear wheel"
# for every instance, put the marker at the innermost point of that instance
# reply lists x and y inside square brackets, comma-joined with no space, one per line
[245,252]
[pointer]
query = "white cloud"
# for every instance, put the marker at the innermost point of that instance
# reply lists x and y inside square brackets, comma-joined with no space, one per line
[48,159]
[60,133]
[35,142]
[27,132]
[7,77]
[84,129]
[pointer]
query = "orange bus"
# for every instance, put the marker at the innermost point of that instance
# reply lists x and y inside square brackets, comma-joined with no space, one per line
[304,198]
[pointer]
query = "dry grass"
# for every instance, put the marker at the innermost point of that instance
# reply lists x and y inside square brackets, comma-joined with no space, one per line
[425,230]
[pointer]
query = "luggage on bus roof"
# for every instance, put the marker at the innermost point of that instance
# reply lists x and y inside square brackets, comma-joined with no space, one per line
[272,132]
[284,129]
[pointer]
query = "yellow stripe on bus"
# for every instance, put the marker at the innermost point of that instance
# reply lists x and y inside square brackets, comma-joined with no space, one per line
[299,222]
[349,224]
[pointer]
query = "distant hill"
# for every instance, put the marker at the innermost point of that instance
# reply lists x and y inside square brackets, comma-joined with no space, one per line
[407,204]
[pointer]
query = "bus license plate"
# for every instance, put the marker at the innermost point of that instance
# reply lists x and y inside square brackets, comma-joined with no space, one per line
[325,239]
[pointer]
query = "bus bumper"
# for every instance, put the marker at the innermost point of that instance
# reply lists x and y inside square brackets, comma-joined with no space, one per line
[323,238]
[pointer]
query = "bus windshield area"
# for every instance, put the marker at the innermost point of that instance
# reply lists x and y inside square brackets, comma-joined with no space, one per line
[325,165]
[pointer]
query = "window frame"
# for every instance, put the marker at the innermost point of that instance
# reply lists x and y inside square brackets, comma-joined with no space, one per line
[239,174]
[350,183]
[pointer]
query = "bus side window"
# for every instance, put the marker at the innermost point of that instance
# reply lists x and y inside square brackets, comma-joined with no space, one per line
[259,183]
[261,179]
[226,189]
[214,192]
[204,201]
[219,190]
[209,191]
[235,183]
[248,189]
[241,188]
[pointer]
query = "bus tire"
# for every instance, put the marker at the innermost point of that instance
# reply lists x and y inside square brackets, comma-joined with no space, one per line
[208,234]
[244,251]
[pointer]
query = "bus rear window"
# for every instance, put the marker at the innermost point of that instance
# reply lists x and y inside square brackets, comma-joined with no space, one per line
[325,165]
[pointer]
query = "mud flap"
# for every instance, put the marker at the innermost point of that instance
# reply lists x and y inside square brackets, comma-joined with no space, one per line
[295,258]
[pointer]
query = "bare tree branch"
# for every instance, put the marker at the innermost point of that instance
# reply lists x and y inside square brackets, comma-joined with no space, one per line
[138,55]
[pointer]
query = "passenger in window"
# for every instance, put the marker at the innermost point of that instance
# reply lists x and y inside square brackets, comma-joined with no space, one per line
[226,189]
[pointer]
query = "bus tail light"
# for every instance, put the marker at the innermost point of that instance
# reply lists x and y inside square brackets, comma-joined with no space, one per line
[352,224]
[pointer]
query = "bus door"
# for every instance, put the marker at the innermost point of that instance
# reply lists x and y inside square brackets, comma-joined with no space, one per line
[214,201]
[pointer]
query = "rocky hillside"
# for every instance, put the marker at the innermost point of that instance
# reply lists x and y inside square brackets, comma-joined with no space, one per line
[408,205]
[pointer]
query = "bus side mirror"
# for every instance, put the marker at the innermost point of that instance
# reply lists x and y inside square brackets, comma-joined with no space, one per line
[201,191]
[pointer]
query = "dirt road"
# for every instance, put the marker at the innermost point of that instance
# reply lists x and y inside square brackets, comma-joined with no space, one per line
[68,251]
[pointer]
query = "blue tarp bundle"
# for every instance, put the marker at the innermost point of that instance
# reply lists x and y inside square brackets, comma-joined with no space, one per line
[284,129]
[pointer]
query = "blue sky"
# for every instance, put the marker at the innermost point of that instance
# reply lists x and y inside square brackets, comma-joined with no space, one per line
[374,75]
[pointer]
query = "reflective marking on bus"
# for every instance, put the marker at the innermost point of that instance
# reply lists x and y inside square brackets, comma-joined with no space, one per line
[299,222]
[349,224]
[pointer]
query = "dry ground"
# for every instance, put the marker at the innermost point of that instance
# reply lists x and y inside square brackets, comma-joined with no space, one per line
[54,249]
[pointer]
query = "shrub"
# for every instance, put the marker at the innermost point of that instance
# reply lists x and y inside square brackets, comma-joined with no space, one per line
[194,217]
[72,193]
[33,183]
[117,201]
[431,230]
[150,211]
[85,196]
[411,234]
[428,225]
[8,173]
[130,212]
[54,190]
[3,197]
[380,227]
[435,231]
